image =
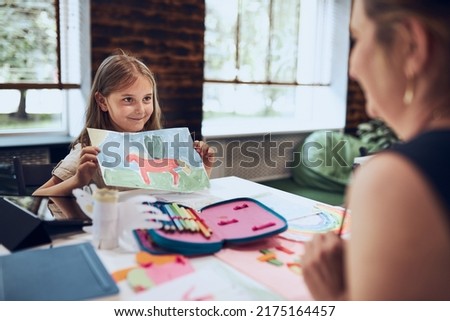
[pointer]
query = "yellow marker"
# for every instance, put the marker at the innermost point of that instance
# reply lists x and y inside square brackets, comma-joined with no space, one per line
[178,216]
[189,218]
[182,216]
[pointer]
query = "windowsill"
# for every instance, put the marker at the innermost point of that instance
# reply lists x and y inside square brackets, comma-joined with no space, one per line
[317,108]
[34,140]
[226,128]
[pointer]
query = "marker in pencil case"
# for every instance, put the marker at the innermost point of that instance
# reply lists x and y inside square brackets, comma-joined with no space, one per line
[176,222]
[180,217]
[190,225]
[191,218]
[168,226]
[204,229]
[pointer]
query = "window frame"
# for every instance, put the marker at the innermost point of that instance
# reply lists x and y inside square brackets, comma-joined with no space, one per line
[76,93]
[327,87]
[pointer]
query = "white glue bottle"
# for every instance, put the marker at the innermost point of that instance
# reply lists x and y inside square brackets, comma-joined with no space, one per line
[105,219]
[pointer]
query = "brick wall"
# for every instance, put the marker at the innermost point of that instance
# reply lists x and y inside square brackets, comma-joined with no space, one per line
[356,112]
[168,36]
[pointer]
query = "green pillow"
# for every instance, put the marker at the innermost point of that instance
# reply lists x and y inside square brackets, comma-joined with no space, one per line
[325,160]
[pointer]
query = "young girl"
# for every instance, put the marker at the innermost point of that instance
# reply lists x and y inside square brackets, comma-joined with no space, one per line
[123,98]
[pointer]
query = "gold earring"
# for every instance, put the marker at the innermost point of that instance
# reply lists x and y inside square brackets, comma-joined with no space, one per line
[408,97]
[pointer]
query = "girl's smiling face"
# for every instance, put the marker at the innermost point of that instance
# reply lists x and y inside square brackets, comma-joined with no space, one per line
[130,108]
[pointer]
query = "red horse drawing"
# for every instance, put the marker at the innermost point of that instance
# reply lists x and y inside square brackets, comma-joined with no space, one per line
[163,165]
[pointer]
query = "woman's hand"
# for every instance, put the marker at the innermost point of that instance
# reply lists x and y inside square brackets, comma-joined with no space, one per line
[323,267]
[206,153]
[87,165]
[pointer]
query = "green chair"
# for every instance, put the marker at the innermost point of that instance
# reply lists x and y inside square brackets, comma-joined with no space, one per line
[322,167]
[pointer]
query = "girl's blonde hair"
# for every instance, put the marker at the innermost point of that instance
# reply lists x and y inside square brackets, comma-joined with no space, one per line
[117,72]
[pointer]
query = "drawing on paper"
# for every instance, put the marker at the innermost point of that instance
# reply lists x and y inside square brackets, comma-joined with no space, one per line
[160,160]
[326,218]
[149,165]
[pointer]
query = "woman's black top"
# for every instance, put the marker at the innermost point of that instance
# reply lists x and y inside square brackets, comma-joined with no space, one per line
[430,153]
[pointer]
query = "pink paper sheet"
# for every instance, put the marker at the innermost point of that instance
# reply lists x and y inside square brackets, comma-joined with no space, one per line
[160,273]
[281,279]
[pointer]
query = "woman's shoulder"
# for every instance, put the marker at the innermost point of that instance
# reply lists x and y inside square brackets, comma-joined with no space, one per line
[390,172]
[393,209]
[383,172]
[390,184]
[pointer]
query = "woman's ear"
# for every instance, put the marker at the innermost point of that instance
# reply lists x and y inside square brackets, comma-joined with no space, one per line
[101,101]
[417,48]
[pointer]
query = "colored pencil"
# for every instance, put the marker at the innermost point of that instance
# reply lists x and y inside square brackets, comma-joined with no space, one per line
[190,225]
[174,217]
[204,229]
[167,225]
[342,222]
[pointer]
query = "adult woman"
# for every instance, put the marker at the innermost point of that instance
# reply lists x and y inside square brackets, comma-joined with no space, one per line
[400,200]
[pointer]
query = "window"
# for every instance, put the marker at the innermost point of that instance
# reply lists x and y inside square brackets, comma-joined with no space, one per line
[275,65]
[41,79]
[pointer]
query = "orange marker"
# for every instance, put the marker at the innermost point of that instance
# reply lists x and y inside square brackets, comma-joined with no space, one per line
[206,231]
[267,257]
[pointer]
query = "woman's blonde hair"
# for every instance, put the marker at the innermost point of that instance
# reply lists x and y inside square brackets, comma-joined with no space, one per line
[115,73]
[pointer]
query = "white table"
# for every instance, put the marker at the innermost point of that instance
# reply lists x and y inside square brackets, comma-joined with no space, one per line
[286,204]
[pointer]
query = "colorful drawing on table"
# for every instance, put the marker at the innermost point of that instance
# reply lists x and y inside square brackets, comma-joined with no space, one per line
[273,263]
[326,218]
[162,159]
[153,270]
[213,282]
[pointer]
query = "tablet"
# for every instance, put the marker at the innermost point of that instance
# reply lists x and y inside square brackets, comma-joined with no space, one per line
[61,211]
